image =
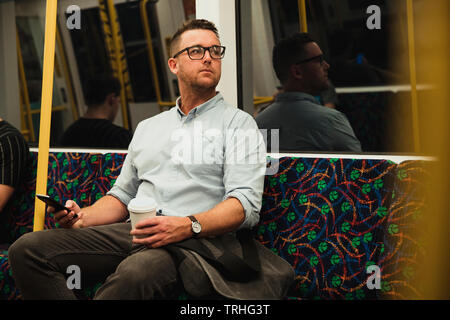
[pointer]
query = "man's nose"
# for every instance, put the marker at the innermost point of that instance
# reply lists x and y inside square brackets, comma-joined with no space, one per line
[325,64]
[207,55]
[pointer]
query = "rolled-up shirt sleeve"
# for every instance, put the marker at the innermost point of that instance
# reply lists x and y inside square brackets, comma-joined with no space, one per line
[245,166]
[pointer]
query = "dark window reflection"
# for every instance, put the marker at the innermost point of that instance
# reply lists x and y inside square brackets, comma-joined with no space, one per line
[359,57]
[91,53]
[137,54]
[89,47]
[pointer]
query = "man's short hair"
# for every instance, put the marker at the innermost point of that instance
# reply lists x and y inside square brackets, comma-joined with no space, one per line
[287,52]
[99,87]
[191,25]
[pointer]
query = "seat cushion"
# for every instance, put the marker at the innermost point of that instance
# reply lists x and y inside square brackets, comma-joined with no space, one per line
[8,291]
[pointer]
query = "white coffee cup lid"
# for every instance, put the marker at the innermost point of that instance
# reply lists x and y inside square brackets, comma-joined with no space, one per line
[142,204]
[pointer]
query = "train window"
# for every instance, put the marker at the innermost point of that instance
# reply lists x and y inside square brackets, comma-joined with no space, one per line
[136,51]
[30,57]
[92,56]
[366,44]
[89,46]
[30,34]
[347,33]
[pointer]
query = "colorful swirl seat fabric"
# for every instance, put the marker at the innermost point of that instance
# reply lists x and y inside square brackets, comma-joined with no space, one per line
[83,177]
[329,218]
[325,217]
[405,235]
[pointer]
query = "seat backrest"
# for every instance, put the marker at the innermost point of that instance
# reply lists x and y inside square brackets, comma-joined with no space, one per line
[405,238]
[325,217]
[83,177]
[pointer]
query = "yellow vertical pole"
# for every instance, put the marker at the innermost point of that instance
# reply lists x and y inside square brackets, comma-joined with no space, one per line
[302,16]
[151,54]
[46,111]
[431,259]
[412,74]
[120,69]
[108,36]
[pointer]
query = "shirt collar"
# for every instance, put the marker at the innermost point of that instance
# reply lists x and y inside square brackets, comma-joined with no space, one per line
[200,109]
[291,95]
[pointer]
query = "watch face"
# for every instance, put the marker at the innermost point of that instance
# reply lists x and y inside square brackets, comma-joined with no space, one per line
[196,227]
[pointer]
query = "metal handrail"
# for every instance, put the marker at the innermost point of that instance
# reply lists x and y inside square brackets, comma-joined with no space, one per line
[151,56]
[115,41]
[46,111]
[111,31]
[261,100]
[302,16]
[120,49]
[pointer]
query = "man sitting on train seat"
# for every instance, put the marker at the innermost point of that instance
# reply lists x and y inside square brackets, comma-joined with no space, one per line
[14,159]
[95,129]
[196,162]
[304,124]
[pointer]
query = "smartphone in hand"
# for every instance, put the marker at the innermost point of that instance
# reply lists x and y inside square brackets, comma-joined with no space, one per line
[53,203]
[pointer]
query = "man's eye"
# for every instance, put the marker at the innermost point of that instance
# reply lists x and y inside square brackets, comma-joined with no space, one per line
[196,50]
[216,50]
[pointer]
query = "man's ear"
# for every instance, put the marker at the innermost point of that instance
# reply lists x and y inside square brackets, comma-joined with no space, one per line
[295,71]
[173,65]
[110,98]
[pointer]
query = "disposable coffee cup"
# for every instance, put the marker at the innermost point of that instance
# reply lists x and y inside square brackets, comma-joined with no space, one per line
[140,209]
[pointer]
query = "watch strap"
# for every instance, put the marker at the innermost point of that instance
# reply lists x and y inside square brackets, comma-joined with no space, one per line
[193,219]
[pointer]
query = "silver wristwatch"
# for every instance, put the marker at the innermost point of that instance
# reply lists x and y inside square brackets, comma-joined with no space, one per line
[196,227]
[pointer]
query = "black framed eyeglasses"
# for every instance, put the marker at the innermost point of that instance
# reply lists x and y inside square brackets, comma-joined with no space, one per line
[319,59]
[198,52]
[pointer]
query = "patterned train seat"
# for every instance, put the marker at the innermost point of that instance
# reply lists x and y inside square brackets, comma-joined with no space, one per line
[83,177]
[406,233]
[325,217]
[329,218]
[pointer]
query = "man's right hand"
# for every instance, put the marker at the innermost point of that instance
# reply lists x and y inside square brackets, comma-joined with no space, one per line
[73,219]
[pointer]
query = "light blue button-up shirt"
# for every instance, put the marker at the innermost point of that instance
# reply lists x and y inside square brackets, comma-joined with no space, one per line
[190,163]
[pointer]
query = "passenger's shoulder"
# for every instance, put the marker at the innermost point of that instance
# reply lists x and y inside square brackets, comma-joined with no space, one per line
[333,113]
[268,112]
[335,118]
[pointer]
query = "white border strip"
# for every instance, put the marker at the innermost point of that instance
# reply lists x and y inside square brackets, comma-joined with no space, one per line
[394,89]
[394,158]
[80,150]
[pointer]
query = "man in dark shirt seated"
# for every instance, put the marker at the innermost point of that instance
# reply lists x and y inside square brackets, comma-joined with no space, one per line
[96,128]
[303,124]
[14,157]
[14,161]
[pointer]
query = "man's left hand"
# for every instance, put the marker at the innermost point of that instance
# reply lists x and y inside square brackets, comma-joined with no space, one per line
[159,231]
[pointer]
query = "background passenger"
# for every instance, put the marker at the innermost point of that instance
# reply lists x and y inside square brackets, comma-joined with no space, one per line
[14,159]
[95,129]
[304,124]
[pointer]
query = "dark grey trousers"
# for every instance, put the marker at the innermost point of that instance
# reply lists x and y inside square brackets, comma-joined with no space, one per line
[40,263]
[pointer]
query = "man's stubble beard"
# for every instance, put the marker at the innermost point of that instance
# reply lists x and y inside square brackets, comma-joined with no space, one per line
[198,86]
